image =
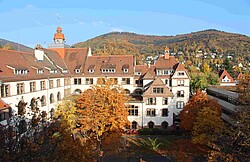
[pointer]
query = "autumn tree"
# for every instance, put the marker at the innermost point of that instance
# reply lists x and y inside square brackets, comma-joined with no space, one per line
[207,126]
[101,111]
[235,141]
[188,115]
[205,68]
[8,46]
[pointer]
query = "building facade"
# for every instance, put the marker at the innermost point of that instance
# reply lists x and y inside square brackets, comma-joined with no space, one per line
[44,77]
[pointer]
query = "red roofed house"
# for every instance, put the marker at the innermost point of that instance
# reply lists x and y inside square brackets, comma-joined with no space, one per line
[5,112]
[45,76]
[225,79]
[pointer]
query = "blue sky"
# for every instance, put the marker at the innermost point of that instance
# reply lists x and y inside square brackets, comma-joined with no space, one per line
[32,22]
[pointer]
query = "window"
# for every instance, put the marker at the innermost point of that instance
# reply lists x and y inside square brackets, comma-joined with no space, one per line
[165,72]
[40,71]
[91,70]
[65,71]
[164,101]
[20,88]
[180,82]
[151,112]
[77,71]
[51,84]
[4,115]
[166,81]
[180,93]
[32,86]
[151,101]
[108,70]
[138,81]
[89,81]
[20,72]
[43,101]
[132,110]
[137,73]
[77,81]
[138,92]
[53,71]
[125,80]
[134,125]
[180,73]
[157,90]
[59,96]
[5,90]
[180,104]
[58,83]
[151,124]
[127,92]
[42,85]
[164,112]
[125,70]
[51,98]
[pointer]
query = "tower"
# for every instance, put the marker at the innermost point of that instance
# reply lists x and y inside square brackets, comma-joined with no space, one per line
[166,53]
[59,36]
[59,43]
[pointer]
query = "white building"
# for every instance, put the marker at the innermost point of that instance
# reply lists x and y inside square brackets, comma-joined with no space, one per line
[45,76]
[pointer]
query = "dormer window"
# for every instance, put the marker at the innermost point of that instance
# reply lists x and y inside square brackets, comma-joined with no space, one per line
[91,70]
[65,71]
[108,70]
[137,73]
[20,72]
[53,71]
[125,70]
[40,71]
[77,71]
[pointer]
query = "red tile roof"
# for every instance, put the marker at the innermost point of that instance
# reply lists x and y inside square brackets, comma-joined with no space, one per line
[74,58]
[3,105]
[113,61]
[163,63]
[223,74]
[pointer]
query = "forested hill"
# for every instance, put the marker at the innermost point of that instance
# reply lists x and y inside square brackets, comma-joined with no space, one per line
[209,41]
[13,45]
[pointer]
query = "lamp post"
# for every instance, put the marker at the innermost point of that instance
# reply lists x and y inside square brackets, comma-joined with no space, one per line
[142,114]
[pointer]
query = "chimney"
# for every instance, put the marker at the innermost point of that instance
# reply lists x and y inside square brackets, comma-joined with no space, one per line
[89,51]
[166,53]
[39,53]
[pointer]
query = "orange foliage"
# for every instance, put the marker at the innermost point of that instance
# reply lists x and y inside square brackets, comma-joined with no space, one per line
[196,103]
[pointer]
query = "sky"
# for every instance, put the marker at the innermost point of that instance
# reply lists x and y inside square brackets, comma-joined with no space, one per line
[32,22]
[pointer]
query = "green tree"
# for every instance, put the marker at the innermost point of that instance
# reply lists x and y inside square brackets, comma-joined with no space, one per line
[205,68]
[212,78]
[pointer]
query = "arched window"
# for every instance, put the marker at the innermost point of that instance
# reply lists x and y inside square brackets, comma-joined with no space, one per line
[43,101]
[134,125]
[137,91]
[127,91]
[33,104]
[51,98]
[151,124]
[59,96]
[78,91]
[164,125]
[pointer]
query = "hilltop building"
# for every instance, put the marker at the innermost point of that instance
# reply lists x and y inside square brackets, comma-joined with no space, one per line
[45,76]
